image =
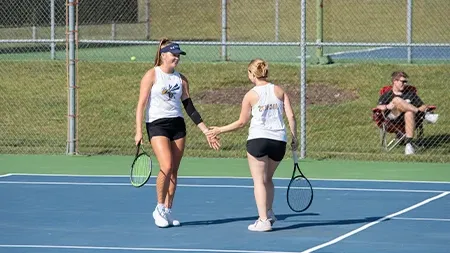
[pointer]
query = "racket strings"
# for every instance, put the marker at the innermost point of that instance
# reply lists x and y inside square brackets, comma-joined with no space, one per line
[299,194]
[141,169]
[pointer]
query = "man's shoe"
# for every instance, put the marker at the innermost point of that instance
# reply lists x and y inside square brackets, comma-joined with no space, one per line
[409,149]
[431,117]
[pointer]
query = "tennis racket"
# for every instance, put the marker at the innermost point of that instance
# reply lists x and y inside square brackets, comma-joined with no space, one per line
[299,192]
[141,168]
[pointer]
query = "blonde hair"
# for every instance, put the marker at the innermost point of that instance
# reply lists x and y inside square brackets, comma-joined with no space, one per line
[259,68]
[162,44]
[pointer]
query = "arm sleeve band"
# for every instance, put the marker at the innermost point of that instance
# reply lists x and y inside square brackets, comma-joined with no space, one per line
[191,111]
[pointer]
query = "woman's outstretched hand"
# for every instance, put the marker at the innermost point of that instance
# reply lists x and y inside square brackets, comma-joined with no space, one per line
[213,141]
[213,132]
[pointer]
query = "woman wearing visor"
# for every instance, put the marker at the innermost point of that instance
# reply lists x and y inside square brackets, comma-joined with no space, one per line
[163,92]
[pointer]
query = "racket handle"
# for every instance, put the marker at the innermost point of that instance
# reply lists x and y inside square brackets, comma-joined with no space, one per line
[138,146]
[294,156]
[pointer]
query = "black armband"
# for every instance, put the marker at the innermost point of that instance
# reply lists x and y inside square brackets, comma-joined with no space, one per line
[191,111]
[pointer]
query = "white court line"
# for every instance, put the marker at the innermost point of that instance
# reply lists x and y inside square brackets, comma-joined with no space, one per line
[228,177]
[368,225]
[353,51]
[420,219]
[218,186]
[24,246]
[5,175]
[359,51]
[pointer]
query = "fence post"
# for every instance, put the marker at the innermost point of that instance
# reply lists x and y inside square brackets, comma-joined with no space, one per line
[321,59]
[113,30]
[147,19]
[71,61]
[302,80]
[409,16]
[277,20]
[224,30]
[52,29]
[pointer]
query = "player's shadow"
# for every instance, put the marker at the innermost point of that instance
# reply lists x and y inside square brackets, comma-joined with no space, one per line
[303,224]
[433,141]
[280,217]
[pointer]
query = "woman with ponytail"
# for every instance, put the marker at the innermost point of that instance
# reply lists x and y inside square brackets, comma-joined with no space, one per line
[163,92]
[266,141]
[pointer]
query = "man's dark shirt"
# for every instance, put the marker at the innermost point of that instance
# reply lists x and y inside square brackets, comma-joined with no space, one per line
[408,95]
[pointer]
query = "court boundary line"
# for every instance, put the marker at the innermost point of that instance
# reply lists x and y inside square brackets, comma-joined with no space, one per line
[359,51]
[219,186]
[230,177]
[373,223]
[134,249]
[421,219]
[5,175]
[351,52]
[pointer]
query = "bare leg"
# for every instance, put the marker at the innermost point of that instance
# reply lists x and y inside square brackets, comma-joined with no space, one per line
[400,105]
[177,147]
[258,168]
[162,149]
[410,123]
[270,188]
[403,106]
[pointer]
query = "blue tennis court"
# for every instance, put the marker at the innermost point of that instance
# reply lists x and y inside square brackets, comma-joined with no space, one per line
[392,53]
[44,213]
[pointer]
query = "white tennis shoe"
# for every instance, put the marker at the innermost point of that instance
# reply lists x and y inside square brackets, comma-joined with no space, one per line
[431,117]
[170,219]
[409,149]
[160,218]
[271,216]
[260,226]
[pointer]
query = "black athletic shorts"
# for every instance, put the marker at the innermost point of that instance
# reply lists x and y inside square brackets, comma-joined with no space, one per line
[172,128]
[262,147]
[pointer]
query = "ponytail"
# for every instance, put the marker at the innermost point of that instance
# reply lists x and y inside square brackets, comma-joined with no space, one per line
[162,43]
[259,68]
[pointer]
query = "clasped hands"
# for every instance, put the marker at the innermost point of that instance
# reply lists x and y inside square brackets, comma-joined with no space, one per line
[212,136]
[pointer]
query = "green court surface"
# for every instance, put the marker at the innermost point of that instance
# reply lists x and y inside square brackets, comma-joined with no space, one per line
[146,53]
[325,169]
[195,53]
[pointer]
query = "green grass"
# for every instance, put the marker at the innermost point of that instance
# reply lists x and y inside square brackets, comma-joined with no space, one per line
[34,109]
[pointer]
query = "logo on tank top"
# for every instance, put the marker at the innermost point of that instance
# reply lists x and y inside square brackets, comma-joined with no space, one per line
[267,107]
[170,91]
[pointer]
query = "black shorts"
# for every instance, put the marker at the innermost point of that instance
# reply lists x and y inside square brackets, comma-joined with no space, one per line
[172,128]
[267,147]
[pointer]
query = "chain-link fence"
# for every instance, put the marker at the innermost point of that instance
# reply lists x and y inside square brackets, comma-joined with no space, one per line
[32,92]
[361,43]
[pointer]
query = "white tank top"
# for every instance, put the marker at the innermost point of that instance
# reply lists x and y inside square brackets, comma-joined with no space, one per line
[267,115]
[165,96]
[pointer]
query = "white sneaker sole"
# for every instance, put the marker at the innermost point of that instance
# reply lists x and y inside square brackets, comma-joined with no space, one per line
[253,229]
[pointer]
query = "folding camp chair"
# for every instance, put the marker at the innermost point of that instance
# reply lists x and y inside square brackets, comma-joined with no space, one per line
[392,133]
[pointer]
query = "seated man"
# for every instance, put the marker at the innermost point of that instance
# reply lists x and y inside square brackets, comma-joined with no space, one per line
[403,105]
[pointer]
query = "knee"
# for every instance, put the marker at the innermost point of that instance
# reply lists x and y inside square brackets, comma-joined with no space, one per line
[396,100]
[166,169]
[409,115]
